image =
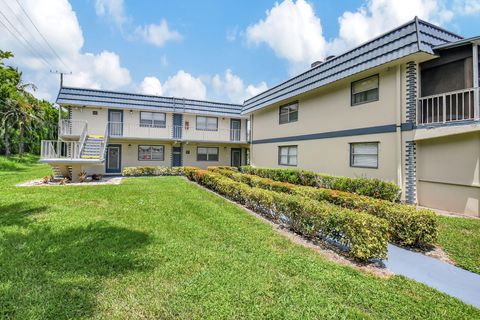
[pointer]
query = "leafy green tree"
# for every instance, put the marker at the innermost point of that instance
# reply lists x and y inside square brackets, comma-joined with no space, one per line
[25,120]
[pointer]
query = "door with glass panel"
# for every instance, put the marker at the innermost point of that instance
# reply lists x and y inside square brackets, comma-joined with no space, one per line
[114,158]
[235,125]
[176,156]
[115,123]
[236,157]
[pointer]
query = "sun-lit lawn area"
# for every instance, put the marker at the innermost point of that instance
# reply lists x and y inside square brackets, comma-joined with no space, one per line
[460,238]
[165,248]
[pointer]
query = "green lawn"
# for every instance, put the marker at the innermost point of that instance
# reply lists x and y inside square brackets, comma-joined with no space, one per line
[460,238]
[164,248]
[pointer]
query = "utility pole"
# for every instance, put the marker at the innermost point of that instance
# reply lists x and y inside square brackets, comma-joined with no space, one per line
[59,106]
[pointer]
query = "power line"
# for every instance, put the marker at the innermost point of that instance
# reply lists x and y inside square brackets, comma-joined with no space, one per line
[24,26]
[25,40]
[43,37]
[21,42]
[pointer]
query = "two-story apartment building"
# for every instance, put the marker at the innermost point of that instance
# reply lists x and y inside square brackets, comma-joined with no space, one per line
[107,131]
[402,107]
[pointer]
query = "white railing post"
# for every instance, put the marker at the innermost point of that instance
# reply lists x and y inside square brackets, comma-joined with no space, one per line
[444,108]
[476,103]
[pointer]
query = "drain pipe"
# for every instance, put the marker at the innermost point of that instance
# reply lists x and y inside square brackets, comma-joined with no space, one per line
[398,108]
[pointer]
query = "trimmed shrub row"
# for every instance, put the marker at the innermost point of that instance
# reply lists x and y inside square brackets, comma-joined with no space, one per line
[408,226]
[152,171]
[375,188]
[364,235]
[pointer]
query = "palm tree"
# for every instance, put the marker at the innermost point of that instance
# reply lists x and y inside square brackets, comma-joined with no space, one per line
[20,112]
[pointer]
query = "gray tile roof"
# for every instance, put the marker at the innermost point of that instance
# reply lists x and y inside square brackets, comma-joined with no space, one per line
[448,45]
[412,37]
[111,99]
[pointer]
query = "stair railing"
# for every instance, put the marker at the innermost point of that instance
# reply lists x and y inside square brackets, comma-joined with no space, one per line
[83,137]
[103,147]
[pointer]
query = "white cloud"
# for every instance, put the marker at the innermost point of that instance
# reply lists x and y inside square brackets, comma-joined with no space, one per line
[227,87]
[158,34]
[112,9]
[232,88]
[151,85]
[180,85]
[102,70]
[467,7]
[232,34]
[184,85]
[379,16]
[155,34]
[293,31]
[99,71]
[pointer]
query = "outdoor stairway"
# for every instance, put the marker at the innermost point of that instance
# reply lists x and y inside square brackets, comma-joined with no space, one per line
[58,174]
[92,148]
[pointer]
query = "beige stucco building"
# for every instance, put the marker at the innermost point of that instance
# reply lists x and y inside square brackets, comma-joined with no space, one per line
[108,131]
[402,107]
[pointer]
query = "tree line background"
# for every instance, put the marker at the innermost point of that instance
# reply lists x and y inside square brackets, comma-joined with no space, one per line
[24,119]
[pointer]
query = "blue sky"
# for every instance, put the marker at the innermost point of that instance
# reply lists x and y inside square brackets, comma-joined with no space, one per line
[220,50]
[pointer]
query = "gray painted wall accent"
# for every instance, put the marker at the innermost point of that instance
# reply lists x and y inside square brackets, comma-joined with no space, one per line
[335,134]
[411,75]
[411,172]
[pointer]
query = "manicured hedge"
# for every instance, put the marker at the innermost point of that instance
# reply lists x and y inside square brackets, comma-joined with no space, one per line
[364,235]
[152,171]
[375,188]
[408,226]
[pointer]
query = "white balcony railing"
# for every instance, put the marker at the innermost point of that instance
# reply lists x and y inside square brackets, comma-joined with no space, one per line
[219,135]
[133,130]
[72,127]
[56,149]
[449,107]
[137,131]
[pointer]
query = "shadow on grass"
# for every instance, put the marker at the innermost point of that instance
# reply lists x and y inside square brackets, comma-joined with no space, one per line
[58,274]
[18,214]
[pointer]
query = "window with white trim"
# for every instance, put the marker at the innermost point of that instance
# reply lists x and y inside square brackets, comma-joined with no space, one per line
[287,155]
[365,90]
[151,153]
[207,154]
[288,113]
[364,155]
[207,123]
[153,119]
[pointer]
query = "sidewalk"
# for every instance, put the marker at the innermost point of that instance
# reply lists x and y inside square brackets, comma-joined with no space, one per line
[454,281]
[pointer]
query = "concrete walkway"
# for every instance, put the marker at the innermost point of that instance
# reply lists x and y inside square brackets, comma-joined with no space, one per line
[454,281]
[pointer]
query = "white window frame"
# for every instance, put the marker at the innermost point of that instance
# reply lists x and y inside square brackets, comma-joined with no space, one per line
[205,125]
[209,152]
[151,153]
[290,155]
[353,94]
[353,154]
[152,120]
[286,111]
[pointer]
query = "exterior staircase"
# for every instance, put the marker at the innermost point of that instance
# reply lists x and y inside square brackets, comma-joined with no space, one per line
[92,148]
[59,174]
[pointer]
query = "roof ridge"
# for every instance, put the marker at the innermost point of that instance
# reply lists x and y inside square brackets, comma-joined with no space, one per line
[414,36]
[340,55]
[149,95]
[440,28]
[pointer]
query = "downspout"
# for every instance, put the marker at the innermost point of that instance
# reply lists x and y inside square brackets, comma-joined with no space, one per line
[475,81]
[251,139]
[398,123]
